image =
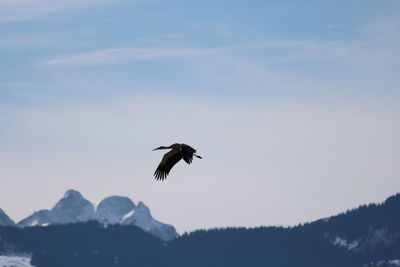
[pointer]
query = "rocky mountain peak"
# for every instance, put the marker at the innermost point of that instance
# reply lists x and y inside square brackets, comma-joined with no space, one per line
[71,193]
[4,219]
[112,209]
[142,207]
[73,207]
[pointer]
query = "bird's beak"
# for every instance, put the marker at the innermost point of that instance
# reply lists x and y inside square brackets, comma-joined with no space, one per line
[158,148]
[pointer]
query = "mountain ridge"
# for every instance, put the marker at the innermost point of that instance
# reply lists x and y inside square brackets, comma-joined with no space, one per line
[367,236]
[73,207]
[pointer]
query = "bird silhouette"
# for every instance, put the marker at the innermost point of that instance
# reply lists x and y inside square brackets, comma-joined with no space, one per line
[178,152]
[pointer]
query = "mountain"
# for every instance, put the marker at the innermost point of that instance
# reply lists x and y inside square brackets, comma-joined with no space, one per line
[41,218]
[112,209]
[88,244]
[368,236]
[4,219]
[73,208]
[142,218]
[369,229]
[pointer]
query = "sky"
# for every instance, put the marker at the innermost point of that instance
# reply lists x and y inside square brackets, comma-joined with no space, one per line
[294,106]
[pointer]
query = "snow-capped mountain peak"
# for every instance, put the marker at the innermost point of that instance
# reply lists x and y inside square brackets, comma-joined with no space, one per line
[71,193]
[113,209]
[73,207]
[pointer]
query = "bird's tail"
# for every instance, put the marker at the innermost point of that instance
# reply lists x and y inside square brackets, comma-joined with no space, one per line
[198,156]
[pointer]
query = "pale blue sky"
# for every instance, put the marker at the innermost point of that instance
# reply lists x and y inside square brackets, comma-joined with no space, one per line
[294,105]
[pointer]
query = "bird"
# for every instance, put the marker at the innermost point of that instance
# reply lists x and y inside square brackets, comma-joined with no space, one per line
[178,152]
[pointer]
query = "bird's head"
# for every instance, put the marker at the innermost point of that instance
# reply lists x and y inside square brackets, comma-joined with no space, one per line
[173,146]
[160,147]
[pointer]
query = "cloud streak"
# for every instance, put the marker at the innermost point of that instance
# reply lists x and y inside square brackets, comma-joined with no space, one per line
[290,50]
[19,10]
[114,55]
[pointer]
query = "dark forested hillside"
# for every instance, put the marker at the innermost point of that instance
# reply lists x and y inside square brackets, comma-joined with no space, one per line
[84,244]
[366,236]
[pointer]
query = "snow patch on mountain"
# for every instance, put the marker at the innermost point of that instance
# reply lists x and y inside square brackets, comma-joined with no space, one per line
[341,242]
[129,214]
[386,263]
[380,236]
[369,242]
[37,218]
[15,261]
[395,262]
[34,223]
[143,219]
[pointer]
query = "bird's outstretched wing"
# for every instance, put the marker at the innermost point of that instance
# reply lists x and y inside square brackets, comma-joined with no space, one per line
[187,153]
[166,164]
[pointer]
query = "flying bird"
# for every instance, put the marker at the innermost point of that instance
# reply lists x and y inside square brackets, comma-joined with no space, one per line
[178,152]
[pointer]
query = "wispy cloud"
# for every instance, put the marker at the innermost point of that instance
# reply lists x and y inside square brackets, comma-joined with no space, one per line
[304,49]
[17,10]
[315,49]
[290,50]
[114,55]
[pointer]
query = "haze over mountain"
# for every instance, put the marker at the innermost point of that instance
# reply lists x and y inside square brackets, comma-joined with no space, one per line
[73,208]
